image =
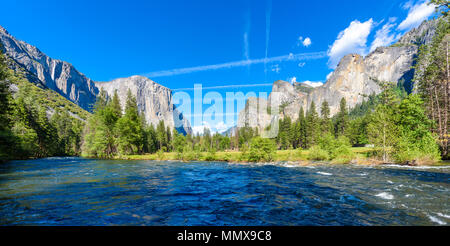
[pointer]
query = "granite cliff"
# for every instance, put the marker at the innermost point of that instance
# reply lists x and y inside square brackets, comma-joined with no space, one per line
[354,78]
[154,100]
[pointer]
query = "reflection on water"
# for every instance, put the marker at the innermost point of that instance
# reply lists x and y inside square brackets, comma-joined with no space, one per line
[76,191]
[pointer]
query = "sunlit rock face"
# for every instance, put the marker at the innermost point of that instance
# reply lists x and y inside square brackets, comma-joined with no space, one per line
[153,99]
[354,79]
[57,75]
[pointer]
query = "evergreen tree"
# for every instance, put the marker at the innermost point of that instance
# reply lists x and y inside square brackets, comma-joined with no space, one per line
[382,129]
[431,76]
[301,121]
[312,126]
[357,130]
[161,136]
[415,138]
[342,119]
[284,133]
[169,139]
[95,143]
[326,123]
[115,105]
[7,140]
[130,128]
[151,144]
[179,143]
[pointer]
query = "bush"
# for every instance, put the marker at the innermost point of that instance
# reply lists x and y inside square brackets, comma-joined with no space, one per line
[317,154]
[337,149]
[408,150]
[211,156]
[261,149]
[227,157]
[244,153]
[189,156]
[160,154]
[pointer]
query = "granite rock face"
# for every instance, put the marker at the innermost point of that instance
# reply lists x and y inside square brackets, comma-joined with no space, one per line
[154,100]
[354,79]
[57,75]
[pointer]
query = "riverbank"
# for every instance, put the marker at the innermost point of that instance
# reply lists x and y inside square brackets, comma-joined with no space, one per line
[295,157]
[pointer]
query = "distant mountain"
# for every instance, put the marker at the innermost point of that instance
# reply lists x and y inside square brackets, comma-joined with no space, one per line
[354,78]
[154,100]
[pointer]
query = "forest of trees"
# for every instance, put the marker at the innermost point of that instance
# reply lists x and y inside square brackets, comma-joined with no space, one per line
[36,122]
[401,127]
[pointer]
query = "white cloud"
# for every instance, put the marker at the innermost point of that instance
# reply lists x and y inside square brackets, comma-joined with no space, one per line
[201,128]
[301,64]
[351,40]
[313,83]
[384,36]
[307,42]
[307,82]
[221,127]
[329,75]
[416,14]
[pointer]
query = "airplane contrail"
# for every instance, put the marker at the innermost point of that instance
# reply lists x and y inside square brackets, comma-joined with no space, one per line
[290,57]
[224,87]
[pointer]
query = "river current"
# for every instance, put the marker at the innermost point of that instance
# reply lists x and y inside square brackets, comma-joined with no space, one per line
[77,191]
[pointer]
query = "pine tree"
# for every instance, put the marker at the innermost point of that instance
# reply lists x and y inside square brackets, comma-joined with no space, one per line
[130,128]
[115,105]
[326,123]
[382,128]
[301,121]
[431,76]
[342,119]
[312,126]
[161,135]
[415,138]
[151,145]
[6,136]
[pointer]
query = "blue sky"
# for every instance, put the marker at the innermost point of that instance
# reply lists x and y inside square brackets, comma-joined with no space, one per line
[213,43]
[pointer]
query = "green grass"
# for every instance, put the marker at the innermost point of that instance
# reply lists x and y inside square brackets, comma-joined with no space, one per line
[235,156]
[362,157]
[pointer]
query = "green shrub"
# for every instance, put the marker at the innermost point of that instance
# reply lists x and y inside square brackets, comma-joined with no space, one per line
[189,156]
[227,157]
[416,150]
[337,149]
[317,154]
[211,156]
[261,149]
[244,153]
[160,154]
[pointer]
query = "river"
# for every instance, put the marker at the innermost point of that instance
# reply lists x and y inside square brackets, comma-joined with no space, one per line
[77,191]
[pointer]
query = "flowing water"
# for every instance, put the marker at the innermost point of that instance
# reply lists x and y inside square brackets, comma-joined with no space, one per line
[77,191]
